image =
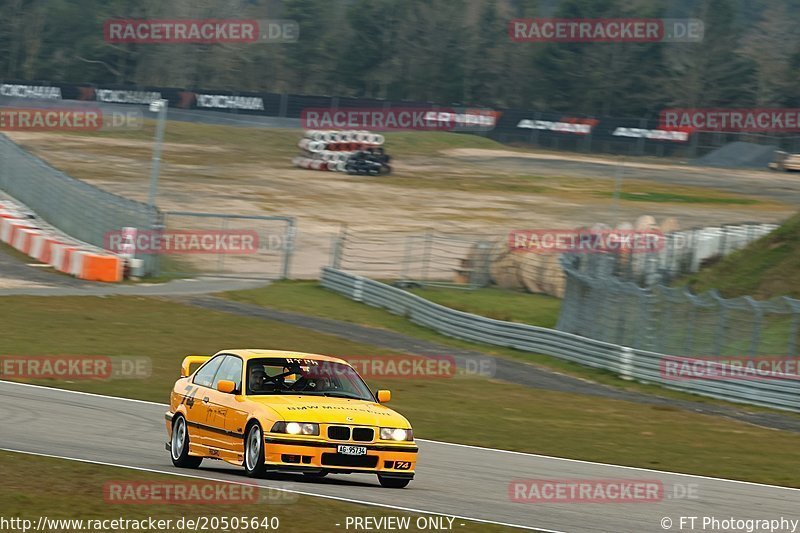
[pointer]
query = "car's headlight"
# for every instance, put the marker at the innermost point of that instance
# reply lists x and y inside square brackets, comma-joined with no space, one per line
[396,434]
[296,428]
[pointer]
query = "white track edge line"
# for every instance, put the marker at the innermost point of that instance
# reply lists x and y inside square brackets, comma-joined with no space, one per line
[482,448]
[293,491]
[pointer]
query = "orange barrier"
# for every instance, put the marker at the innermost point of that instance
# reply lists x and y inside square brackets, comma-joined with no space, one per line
[101,268]
[23,235]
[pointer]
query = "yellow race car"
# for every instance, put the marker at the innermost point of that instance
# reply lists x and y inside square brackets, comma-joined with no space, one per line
[269,410]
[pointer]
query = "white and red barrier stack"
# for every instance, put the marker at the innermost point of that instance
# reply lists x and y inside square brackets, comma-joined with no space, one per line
[47,247]
[330,150]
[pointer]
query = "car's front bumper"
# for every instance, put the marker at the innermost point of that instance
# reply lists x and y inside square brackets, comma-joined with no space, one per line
[388,459]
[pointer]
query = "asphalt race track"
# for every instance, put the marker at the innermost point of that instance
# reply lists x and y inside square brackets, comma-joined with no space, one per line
[461,481]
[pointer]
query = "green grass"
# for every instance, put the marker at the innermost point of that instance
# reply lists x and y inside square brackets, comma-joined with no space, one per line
[308,297]
[500,304]
[74,490]
[235,145]
[767,268]
[661,197]
[462,409]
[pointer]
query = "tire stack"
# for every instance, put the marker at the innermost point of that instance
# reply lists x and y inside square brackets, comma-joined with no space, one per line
[353,152]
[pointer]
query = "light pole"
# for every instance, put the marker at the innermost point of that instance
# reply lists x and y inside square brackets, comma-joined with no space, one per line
[157,106]
[160,107]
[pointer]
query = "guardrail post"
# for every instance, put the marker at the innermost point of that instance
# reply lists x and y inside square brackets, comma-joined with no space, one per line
[358,289]
[626,363]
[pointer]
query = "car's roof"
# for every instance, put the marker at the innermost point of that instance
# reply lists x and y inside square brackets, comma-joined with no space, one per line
[252,353]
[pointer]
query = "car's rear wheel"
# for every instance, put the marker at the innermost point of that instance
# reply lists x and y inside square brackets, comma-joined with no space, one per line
[179,445]
[254,452]
[393,482]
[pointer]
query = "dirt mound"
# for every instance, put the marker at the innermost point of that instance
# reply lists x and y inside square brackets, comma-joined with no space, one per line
[738,155]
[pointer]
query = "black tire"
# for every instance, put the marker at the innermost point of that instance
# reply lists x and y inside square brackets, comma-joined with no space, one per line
[254,457]
[179,445]
[393,482]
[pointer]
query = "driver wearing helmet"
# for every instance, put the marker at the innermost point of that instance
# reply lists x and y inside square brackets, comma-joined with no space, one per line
[258,380]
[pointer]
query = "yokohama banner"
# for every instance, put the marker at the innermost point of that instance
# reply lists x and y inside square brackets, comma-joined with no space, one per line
[508,125]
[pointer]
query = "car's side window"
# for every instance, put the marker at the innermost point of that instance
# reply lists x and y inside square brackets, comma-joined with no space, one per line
[205,376]
[230,370]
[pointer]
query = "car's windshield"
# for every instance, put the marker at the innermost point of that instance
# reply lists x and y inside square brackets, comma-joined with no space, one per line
[279,375]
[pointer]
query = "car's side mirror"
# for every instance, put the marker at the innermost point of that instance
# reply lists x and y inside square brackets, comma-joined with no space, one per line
[226,386]
[384,396]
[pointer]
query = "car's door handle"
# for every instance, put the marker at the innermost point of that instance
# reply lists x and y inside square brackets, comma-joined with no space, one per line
[205,400]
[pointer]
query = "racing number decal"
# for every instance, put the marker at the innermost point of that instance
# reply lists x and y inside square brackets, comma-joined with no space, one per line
[189,398]
[402,465]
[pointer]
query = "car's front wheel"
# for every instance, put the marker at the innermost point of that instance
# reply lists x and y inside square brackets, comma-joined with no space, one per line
[179,445]
[393,482]
[254,452]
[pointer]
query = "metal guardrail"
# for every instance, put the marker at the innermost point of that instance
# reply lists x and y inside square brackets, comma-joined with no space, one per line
[631,363]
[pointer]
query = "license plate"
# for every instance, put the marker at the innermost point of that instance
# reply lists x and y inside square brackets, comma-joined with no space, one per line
[351,450]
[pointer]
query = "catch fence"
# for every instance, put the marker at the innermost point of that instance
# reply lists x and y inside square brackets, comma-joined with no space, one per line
[476,260]
[631,363]
[241,246]
[74,207]
[602,306]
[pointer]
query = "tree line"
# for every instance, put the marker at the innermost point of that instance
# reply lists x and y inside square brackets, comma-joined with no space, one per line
[446,51]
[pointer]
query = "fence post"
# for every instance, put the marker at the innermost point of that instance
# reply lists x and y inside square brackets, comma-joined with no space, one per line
[426,254]
[756,334]
[288,247]
[695,136]
[221,256]
[404,269]
[792,343]
[158,228]
[338,247]
[688,343]
[721,322]
[284,105]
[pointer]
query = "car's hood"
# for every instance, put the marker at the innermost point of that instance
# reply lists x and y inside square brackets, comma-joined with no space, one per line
[326,410]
